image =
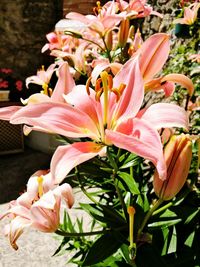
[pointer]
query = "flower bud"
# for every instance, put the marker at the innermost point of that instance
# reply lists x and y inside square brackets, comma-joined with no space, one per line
[178,155]
[123,32]
[109,40]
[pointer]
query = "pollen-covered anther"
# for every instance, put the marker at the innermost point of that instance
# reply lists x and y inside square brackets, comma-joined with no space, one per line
[98,8]
[110,81]
[88,85]
[50,91]
[98,94]
[98,89]
[118,91]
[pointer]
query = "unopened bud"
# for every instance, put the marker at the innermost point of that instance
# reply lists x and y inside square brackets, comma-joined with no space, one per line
[109,40]
[123,32]
[178,156]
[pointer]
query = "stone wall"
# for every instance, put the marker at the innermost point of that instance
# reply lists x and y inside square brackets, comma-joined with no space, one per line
[24,24]
[81,6]
[153,24]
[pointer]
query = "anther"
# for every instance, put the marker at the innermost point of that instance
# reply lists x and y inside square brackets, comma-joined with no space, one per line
[88,85]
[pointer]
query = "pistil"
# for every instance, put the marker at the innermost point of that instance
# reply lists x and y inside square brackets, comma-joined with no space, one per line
[104,78]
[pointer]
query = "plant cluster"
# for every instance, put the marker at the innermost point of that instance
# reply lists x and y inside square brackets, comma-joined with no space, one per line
[136,164]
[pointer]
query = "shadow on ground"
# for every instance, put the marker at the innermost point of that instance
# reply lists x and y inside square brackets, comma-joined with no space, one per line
[15,170]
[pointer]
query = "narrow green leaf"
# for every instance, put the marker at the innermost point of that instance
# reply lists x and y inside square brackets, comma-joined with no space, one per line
[112,160]
[189,218]
[140,201]
[165,232]
[90,208]
[190,239]
[164,223]
[105,246]
[173,242]
[168,214]
[125,253]
[129,180]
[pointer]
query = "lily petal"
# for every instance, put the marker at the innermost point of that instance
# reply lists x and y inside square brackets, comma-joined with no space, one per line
[164,115]
[65,191]
[7,112]
[57,117]
[139,137]
[180,79]
[154,53]
[129,75]
[15,229]
[67,157]
[64,84]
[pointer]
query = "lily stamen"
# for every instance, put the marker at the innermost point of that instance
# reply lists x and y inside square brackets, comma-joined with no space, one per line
[98,8]
[88,85]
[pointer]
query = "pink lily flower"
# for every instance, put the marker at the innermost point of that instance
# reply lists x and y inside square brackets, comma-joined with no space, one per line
[43,77]
[153,54]
[190,14]
[106,18]
[45,213]
[137,8]
[64,85]
[15,228]
[107,116]
[38,207]
[59,41]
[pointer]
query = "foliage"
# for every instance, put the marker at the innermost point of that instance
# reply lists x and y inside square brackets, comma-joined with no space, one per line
[140,179]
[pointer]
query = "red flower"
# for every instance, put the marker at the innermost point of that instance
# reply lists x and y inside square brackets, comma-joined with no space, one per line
[6,70]
[19,85]
[3,83]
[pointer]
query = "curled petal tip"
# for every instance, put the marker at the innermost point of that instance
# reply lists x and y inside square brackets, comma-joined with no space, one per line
[180,79]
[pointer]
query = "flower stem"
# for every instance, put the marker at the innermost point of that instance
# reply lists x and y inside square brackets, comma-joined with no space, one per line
[163,208]
[60,232]
[148,215]
[107,50]
[83,188]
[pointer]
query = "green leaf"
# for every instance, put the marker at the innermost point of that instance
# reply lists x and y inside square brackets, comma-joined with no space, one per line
[164,223]
[148,256]
[132,160]
[189,218]
[102,248]
[129,180]
[61,246]
[125,252]
[190,239]
[173,242]
[165,232]
[168,214]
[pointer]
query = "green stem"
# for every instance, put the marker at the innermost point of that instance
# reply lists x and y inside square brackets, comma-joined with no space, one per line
[115,170]
[163,208]
[59,232]
[131,171]
[88,40]
[83,188]
[148,215]
[118,155]
[107,50]
[186,103]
